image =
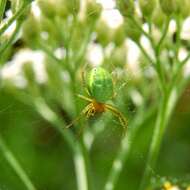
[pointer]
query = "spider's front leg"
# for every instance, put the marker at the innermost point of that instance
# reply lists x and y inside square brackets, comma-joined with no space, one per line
[87,111]
[84,82]
[118,114]
[84,98]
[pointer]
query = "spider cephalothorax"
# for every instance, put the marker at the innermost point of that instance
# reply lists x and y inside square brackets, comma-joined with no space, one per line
[100,89]
[95,107]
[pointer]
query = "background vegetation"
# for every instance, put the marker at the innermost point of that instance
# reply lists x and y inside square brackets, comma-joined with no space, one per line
[45,45]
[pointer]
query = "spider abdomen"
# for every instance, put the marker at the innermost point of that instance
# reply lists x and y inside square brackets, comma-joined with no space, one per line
[100,84]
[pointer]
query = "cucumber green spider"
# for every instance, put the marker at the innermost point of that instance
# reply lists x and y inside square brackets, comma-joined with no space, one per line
[100,89]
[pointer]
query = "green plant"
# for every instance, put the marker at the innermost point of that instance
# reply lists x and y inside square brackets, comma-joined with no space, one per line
[68,28]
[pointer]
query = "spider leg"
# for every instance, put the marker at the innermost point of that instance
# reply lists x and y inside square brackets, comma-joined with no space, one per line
[85,111]
[118,114]
[84,98]
[89,112]
[84,82]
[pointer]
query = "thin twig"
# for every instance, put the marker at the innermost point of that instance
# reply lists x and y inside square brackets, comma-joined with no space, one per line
[48,52]
[166,107]
[79,161]
[13,18]
[2,9]
[11,39]
[142,30]
[81,54]
[147,56]
[164,33]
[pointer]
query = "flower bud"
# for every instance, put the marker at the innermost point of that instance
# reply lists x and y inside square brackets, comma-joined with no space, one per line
[30,30]
[170,7]
[185,8]
[158,17]
[104,33]
[131,30]
[147,7]
[119,35]
[51,34]
[48,7]
[67,7]
[119,56]
[93,11]
[126,7]
[72,5]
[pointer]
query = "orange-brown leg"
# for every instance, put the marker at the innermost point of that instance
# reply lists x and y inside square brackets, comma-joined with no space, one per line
[84,98]
[119,115]
[85,111]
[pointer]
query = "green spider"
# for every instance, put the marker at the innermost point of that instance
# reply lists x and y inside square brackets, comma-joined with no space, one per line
[100,89]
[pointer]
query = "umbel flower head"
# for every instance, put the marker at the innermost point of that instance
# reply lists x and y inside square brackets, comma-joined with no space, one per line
[170,7]
[126,7]
[147,7]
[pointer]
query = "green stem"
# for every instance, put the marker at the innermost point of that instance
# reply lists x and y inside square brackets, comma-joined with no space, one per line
[178,33]
[2,9]
[48,52]
[154,64]
[10,40]
[178,70]
[15,165]
[166,107]
[83,49]
[164,33]
[149,25]
[13,18]
[79,161]
[142,30]
[125,148]
[146,55]
[157,51]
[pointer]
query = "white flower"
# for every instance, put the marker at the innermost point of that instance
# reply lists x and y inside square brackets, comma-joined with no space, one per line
[112,18]
[133,55]
[12,70]
[185,33]
[35,9]
[95,54]
[107,4]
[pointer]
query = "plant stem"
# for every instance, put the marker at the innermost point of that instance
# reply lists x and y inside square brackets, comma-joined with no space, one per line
[157,50]
[11,39]
[154,64]
[147,56]
[81,54]
[49,53]
[166,108]
[2,9]
[164,33]
[142,30]
[178,33]
[80,169]
[79,161]
[13,18]
[15,165]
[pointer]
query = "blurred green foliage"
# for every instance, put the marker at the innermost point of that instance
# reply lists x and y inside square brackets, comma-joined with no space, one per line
[37,152]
